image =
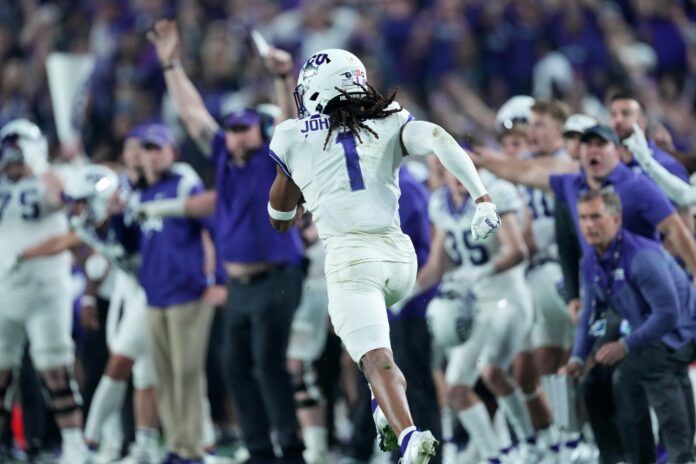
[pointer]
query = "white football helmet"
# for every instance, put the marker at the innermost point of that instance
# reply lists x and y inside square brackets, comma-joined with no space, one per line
[321,77]
[450,319]
[93,185]
[32,142]
[578,123]
[516,110]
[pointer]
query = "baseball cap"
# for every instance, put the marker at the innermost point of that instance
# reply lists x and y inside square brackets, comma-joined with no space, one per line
[578,123]
[246,117]
[136,132]
[158,135]
[601,131]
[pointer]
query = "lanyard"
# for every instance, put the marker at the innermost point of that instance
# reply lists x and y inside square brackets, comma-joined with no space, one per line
[598,317]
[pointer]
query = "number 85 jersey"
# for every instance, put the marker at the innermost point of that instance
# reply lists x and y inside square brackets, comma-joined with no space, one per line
[462,249]
[349,187]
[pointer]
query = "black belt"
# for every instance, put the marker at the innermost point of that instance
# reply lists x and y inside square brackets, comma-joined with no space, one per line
[259,276]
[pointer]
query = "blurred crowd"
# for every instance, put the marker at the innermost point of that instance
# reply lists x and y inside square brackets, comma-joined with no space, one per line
[453,60]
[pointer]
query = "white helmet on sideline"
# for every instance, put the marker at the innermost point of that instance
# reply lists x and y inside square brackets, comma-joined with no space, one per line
[93,184]
[321,76]
[450,319]
[32,142]
[516,110]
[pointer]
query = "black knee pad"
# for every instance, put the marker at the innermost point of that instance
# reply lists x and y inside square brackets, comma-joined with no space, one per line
[64,398]
[305,382]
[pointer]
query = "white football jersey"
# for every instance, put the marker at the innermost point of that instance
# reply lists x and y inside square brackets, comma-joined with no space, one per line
[462,249]
[350,187]
[541,206]
[26,219]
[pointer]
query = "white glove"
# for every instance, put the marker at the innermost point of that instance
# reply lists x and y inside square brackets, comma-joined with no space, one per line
[486,221]
[637,144]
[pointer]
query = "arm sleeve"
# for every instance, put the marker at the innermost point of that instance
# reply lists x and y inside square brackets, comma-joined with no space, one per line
[583,340]
[650,276]
[569,251]
[676,189]
[655,206]
[422,138]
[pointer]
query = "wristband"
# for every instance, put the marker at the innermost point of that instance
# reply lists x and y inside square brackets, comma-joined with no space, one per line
[281,215]
[210,280]
[87,300]
[169,66]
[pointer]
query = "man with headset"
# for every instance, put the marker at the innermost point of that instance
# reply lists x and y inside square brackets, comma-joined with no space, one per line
[264,266]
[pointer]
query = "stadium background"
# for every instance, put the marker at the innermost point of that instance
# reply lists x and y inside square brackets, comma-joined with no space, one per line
[454,61]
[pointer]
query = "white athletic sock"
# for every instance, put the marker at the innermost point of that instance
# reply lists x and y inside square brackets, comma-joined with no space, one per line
[315,439]
[208,427]
[516,412]
[112,433]
[146,437]
[72,439]
[108,399]
[405,433]
[480,428]
[502,431]
[549,438]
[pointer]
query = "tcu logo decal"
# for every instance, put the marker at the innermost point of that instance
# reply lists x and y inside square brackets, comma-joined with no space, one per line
[318,59]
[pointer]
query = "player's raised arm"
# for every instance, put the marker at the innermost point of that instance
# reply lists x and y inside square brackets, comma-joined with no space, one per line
[282,202]
[198,122]
[423,138]
[675,188]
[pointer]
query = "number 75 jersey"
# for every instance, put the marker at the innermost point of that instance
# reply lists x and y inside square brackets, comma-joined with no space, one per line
[350,187]
[26,220]
[462,249]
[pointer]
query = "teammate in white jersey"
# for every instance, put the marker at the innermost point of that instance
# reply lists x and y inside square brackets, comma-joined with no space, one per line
[488,276]
[36,301]
[307,341]
[342,158]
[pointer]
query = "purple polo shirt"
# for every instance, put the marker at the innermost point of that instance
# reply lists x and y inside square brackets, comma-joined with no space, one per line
[645,286]
[171,249]
[243,230]
[413,213]
[644,204]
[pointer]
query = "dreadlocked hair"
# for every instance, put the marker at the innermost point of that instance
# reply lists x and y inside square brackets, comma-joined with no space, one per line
[350,110]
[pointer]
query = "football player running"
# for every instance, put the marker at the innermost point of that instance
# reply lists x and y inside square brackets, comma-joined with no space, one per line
[341,158]
[36,301]
[488,277]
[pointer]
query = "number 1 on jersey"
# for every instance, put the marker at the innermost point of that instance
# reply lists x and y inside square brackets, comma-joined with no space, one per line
[350,151]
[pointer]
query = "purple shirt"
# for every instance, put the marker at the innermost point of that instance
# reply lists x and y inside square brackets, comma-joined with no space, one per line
[413,213]
[171,249]
[244,233]
[644,204]
[645,286]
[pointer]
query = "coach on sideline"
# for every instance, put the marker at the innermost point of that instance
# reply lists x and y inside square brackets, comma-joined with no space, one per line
[636,278]
[264,265]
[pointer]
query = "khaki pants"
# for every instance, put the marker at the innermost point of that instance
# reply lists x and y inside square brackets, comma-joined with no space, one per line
[179,343]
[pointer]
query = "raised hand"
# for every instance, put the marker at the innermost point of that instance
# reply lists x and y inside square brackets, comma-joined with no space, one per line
[164,35]
[279,62]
